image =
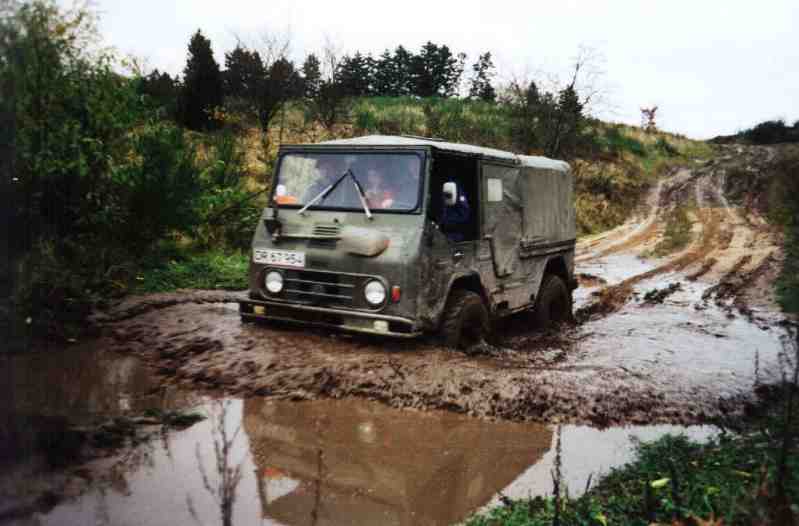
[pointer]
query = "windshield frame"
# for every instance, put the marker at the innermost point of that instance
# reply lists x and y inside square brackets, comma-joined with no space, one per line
[421,153]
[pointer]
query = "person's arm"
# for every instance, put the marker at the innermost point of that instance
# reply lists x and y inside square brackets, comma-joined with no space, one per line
[460,212]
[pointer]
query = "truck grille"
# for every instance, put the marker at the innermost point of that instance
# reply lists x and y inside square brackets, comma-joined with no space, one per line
[323,230]
[321,288]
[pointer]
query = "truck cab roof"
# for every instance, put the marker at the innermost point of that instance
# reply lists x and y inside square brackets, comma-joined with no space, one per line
[388,141]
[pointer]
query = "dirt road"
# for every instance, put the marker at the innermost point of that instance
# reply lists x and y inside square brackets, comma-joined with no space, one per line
[674,339]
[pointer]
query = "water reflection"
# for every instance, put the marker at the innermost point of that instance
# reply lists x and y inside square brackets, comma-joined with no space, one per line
[334,462]
[81,382]
[338,462]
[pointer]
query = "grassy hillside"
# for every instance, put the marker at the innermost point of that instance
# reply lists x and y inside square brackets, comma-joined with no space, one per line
[616,163]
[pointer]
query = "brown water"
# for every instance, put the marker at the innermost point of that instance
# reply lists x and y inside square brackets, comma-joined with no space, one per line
[313,462]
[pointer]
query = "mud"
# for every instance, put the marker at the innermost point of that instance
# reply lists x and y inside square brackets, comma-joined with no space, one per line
[599,372]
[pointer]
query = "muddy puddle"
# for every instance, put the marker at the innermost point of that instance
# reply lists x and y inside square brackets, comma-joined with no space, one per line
[296,463]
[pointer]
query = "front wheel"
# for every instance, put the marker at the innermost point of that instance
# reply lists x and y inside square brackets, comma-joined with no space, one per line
[553,304]
[465,320]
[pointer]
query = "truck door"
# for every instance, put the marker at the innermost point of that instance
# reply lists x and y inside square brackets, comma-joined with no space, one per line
[502,216]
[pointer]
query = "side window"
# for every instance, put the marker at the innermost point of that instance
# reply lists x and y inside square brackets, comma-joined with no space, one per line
[493,190]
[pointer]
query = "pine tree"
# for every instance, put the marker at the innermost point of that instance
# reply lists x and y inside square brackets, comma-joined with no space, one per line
[355,75]
[481,87]
[436,71]
[202,84]
[312,76]
[385,83]
[402,77]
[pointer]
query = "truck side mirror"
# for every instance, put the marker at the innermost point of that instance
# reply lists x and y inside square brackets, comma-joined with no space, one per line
[450,192]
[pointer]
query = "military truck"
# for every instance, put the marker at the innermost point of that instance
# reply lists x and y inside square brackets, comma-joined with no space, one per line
[400,236]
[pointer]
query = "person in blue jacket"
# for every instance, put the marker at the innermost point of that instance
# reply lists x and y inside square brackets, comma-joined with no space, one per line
[459,213]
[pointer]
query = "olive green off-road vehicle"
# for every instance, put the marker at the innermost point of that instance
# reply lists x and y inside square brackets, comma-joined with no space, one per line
[401,236]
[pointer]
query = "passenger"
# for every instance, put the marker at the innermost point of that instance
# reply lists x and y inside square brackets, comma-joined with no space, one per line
[378,193]
[455,215]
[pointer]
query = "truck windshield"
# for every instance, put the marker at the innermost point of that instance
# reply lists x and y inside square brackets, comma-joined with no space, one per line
[389,180]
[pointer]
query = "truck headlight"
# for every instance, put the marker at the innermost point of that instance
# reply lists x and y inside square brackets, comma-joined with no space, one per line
[375,293]
[273,282]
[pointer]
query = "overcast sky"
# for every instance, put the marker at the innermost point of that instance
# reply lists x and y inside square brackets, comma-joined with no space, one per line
[712,67]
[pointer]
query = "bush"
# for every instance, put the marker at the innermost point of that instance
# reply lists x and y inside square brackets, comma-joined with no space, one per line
[228,210]
[156,191]
[61,283]
[771,132]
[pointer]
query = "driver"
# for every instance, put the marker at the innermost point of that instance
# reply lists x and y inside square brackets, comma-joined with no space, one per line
[455,215]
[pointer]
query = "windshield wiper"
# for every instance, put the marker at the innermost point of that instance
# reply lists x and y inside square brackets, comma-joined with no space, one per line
[324,193]
[361,195]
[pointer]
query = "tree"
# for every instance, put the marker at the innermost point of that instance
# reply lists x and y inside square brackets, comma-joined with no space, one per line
[202,84]
[355,75]
[568,124]
[328,104]
[436,71]
[481,87]
[244,70]
[553,122]
[163,91]
[402,64]
[312,76]
[384,76]
[524,101]
[282,82]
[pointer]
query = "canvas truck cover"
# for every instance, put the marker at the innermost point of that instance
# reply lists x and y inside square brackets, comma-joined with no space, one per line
[547,188]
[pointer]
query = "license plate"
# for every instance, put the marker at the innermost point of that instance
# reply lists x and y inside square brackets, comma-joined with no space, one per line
[281,258]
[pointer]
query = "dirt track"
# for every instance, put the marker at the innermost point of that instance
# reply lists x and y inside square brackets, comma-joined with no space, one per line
[706,333]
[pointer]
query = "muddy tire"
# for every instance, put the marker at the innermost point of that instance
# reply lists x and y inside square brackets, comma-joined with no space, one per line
[554,303]
[465,321]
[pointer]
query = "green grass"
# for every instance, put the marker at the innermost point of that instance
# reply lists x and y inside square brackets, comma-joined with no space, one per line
[201,270]
[732,478]
[456,120]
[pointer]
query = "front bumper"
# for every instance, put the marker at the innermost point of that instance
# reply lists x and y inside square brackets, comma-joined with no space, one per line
[346,320]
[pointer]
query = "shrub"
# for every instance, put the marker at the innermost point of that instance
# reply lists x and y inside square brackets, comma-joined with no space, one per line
[770,132]
[228,210]
[157,189]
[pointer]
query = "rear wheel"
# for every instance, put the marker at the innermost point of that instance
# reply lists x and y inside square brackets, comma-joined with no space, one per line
[465,320]
[554,303]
